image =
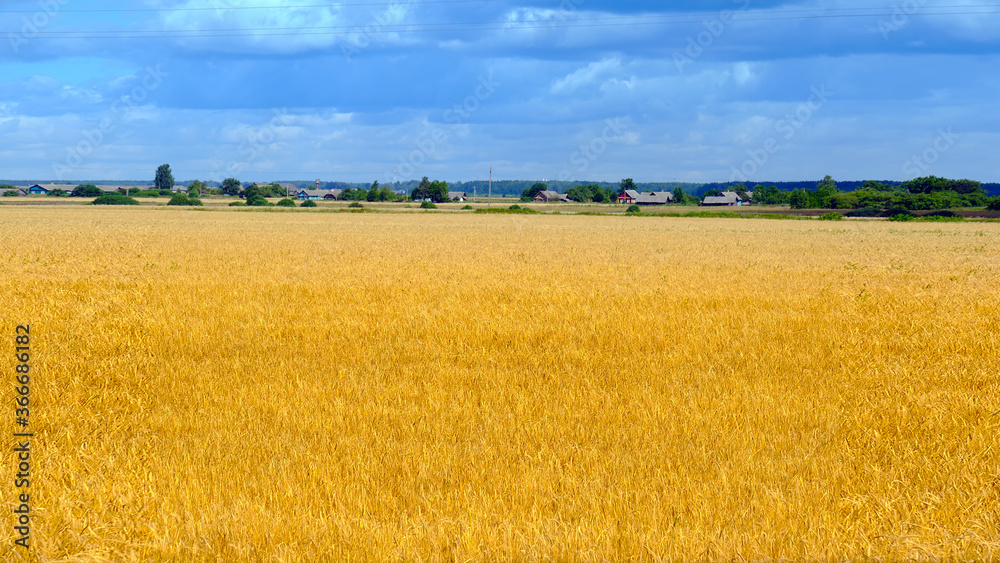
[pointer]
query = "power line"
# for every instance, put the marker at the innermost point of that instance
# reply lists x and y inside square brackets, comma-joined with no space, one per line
[607,21]
[658,19]
[355,4]
[224,8]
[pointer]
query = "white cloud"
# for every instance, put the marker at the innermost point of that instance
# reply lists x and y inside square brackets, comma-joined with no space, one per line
[743,73]
[592,74]
[80,95]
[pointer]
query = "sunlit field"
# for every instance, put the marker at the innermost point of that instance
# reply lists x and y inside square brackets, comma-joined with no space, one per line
[302,386]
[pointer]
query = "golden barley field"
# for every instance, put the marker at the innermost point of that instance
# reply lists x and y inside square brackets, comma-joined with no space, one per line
[302,386]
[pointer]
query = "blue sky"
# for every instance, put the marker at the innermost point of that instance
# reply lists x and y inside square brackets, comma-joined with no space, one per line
[696,91]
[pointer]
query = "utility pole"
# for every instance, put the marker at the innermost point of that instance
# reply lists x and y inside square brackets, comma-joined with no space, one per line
[489,198]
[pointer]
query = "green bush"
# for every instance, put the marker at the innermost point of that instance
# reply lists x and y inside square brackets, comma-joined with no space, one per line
[994,204]
[86,190]
[894,210]
[286,203]
[633,209]
[181,199]
[306,203]
[11,193]
[114,199]
[426,205]
[144,193]
[467,206]
[831,217]
[357,205]
[237,204]
[58,192]
[902,217]
[257,201]
[515,206]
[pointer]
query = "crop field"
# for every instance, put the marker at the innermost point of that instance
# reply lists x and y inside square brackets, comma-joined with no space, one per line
[300,386]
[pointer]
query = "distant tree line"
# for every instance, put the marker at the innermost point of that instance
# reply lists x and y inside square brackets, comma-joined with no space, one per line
[925,193]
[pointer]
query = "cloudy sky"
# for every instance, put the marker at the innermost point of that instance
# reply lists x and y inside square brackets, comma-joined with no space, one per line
[694,90]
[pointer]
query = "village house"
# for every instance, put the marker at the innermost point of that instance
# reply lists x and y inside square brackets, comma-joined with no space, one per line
[457,196]
[312,194]
[655,198]
[630,197]
[45,189]
[727,199]
[549,196]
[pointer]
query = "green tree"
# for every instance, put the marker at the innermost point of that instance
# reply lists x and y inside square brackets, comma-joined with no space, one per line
[843,200]
[966,186]
[164,178]
[195,188]
[438,192]
[353,194]
[827,183]
[798,199]
[679,195]
[581,193]
[422,191]
[86,190]
[626,184]
[270,190]
[374,192]
[231,186]
[602,195]
[872,185]
[252,191]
